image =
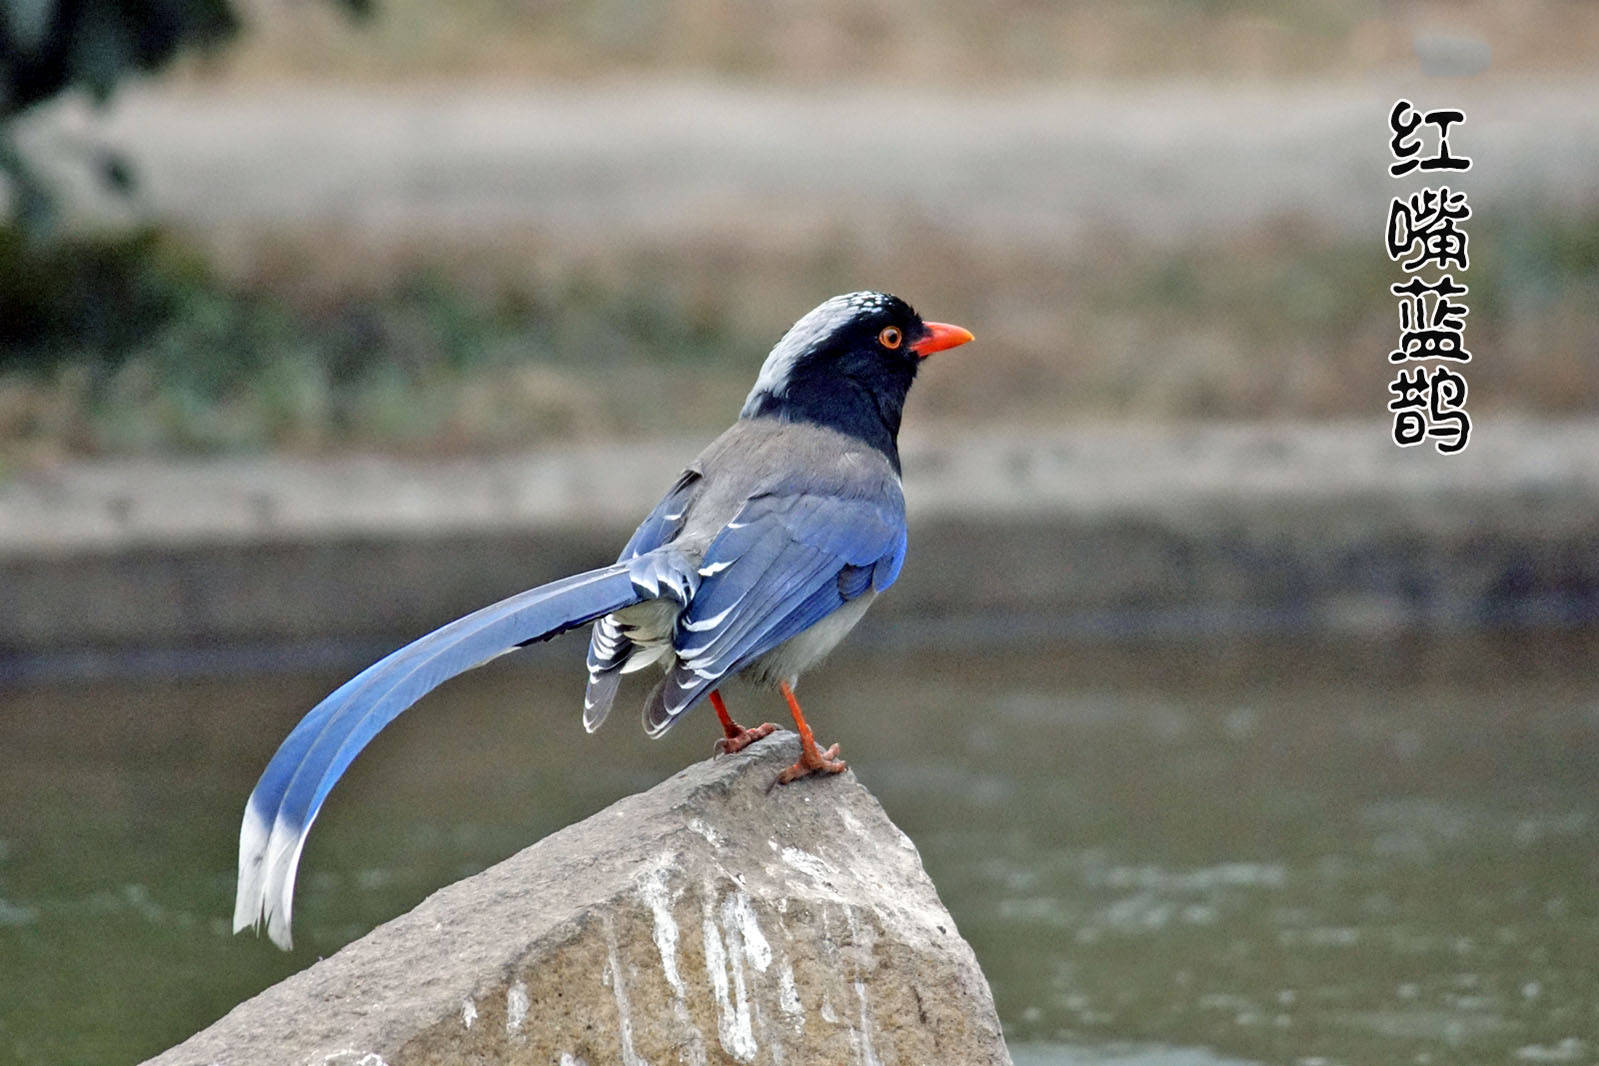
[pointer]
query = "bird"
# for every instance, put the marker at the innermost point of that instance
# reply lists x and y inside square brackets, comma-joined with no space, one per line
[762,555]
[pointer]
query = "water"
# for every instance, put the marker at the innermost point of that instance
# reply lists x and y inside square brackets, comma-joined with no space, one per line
[1172,854]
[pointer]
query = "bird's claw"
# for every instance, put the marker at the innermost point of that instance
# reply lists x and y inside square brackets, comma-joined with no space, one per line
[812,761]
[742,739]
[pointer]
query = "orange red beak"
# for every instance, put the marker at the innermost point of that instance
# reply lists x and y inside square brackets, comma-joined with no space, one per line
[940,335]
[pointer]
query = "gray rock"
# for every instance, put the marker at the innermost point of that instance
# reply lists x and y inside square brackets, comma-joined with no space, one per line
[712,919]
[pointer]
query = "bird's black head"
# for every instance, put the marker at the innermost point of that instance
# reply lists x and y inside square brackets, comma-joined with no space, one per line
[848,365]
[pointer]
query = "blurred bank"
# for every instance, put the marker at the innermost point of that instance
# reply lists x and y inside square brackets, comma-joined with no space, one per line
[489,226]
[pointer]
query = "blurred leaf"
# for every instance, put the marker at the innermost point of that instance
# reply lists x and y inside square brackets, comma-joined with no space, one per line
[117,172]
[49,47]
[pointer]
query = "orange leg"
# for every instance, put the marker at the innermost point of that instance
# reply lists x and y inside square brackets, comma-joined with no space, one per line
[811,760]
[737,738]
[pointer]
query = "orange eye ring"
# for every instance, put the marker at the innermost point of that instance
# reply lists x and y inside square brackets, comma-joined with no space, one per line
[891,337]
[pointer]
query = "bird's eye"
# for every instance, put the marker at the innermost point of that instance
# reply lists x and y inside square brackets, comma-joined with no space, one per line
[890,337]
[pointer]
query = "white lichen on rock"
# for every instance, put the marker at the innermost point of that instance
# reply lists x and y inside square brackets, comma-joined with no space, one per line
[788,1000]
[656,894]
[516,1007]
[618,983]
[726,972]
[739,911]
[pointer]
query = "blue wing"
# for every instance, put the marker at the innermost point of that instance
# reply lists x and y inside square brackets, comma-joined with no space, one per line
[609,647]
[787,560]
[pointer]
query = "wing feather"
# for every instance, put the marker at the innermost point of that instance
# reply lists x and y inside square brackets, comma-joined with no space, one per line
[610,648]
[785,562]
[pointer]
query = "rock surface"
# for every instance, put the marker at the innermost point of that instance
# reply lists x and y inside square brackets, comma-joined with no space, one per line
[712,919]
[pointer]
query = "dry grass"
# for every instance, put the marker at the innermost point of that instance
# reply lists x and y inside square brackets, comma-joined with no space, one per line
[323,341]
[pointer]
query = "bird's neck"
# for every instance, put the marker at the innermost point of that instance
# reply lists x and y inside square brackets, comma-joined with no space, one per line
[868,413]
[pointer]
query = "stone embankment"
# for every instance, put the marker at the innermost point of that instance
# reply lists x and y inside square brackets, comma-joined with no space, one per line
[1099,529]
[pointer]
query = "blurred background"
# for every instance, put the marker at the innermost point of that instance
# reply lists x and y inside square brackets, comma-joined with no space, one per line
[1230,732]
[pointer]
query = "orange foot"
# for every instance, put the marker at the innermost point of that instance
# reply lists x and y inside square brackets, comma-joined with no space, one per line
[812,760]
[736,737]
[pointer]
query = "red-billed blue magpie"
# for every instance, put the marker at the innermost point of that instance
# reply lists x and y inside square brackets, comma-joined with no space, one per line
[760,558]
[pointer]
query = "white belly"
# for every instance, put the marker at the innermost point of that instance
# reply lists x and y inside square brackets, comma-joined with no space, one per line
[789,659]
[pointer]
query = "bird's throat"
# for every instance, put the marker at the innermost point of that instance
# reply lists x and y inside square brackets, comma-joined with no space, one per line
[870,414]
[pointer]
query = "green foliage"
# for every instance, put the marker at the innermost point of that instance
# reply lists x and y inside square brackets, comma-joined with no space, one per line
[49,47]
[136,344]
[133,344]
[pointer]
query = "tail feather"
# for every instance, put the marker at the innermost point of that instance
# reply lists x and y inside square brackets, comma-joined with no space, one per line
[294,785]
[598,697]
[609,649]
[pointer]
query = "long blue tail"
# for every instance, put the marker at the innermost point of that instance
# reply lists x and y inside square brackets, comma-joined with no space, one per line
[290,793]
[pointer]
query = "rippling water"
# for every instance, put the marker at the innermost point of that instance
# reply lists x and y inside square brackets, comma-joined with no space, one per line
[1164,855]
